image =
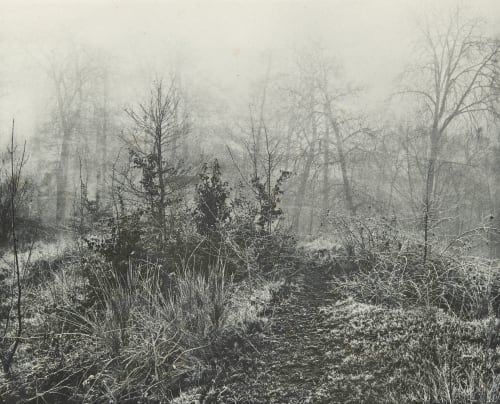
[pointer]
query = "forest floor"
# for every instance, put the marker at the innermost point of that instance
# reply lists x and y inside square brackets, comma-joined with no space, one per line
[288,361]
[321,347]
[314,338]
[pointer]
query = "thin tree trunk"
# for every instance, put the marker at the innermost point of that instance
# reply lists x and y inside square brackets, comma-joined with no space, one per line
[161,184]
[429,188]
[311,211]
[8,356]
[301,191]
[102,147]
[268,181]
[288,146]
[326,170]
[175,137]
[346,184]
[62,178]
[299,200]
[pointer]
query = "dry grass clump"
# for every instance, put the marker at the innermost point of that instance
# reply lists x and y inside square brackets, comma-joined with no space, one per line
[468,288]
[138,342]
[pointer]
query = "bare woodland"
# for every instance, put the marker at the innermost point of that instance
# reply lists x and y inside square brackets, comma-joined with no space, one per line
[293,246]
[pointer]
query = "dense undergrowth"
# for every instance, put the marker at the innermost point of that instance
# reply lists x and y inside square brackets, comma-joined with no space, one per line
[96,334]
[408,329]
[128,309]
[99,328]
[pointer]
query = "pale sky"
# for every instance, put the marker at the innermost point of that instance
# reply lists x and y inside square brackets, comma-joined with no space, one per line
[223,44]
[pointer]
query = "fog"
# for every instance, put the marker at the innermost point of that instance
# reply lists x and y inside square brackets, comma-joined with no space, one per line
[223,45]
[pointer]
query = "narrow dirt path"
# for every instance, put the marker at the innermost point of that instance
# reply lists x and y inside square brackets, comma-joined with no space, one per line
[288,362]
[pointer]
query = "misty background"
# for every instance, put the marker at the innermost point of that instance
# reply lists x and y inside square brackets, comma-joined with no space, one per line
[237,63]
[222,47]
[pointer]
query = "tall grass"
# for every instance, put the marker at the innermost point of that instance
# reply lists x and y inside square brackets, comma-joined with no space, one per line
[152,338]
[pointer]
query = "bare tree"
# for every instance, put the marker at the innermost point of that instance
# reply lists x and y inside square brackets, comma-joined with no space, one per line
[71,77]
[309,154]
[159,123]
[11,339]
[327,133]
[102,123]
[456,77]
[305,102]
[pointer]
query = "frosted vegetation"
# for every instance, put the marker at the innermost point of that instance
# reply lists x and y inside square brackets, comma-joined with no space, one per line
[172,248]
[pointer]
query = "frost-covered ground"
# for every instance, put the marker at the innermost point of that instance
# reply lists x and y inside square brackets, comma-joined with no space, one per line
[306,340]
[40,250]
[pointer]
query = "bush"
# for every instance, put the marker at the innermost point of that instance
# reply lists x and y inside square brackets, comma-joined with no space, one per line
[467,288]
[383,265]
[26,225]
[121,239]
[360,236]
[212,209]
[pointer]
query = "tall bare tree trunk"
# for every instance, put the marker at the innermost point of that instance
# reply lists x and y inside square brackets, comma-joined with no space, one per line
[429,186]
[62,178]
[159,161]
[288,146]
[326,169]
[311,210]
[102,146]
[346,183]
[304,178]
[301,191]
